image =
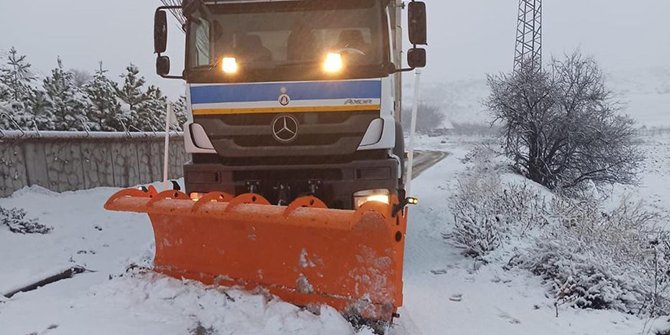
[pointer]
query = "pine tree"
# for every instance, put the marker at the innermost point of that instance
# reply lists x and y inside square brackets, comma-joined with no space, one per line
[38,111]
[15,90]
[105,112]
[65,101]
[152,111]
[16,77]
[180,111]
[131,94]
[4,93]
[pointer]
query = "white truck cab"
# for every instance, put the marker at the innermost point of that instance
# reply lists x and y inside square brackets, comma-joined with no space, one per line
[295,97]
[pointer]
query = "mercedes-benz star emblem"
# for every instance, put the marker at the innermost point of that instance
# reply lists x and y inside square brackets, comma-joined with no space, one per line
[285,128]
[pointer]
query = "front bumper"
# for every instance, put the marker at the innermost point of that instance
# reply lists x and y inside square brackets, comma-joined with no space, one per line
[334,184]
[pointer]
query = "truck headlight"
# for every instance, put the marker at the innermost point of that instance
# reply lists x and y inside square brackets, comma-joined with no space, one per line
[334,63]
[229,65]
[362,197]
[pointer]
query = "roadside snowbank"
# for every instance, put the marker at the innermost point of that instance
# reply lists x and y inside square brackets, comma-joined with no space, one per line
[446,292]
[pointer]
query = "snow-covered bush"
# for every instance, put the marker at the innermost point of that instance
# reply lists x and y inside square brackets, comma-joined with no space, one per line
[594,258]
[489,213]
[15,219]
[477,225]
[591,255]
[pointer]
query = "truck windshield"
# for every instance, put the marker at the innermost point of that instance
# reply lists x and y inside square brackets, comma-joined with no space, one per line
[287,34]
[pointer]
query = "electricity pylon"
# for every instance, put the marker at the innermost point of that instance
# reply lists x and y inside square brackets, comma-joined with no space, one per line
[529,35]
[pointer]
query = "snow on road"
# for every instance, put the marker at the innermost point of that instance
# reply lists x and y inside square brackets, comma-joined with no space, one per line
[445,293]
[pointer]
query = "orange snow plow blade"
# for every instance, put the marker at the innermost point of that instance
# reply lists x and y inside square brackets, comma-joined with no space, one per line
[304,253]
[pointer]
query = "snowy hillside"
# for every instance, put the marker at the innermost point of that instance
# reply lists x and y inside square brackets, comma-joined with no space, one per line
[460,100]
[645,94]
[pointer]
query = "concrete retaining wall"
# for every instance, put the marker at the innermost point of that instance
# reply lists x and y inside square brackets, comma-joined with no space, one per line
[64,161]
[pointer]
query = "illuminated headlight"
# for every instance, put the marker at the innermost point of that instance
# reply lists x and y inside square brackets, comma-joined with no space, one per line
[363,197]
[334,63]
[229,65]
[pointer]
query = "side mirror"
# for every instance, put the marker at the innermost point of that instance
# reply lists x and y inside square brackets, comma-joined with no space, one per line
[416,58]
[163,65]
[418,31]
[160,31]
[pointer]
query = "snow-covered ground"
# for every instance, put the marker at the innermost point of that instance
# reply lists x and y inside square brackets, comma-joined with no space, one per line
[448,293]
[445,293]
[109,300]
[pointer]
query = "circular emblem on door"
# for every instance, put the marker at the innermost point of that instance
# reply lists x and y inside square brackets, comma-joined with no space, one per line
[285,128]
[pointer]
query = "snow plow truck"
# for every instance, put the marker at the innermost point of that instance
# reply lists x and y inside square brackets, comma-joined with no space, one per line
[296,183]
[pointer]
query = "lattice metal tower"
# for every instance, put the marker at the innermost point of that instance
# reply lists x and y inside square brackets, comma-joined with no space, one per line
[529,35]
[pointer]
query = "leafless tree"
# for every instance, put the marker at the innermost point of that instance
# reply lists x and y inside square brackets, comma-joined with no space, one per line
[562,126]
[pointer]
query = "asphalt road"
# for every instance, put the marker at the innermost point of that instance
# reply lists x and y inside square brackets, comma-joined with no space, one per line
[424,160]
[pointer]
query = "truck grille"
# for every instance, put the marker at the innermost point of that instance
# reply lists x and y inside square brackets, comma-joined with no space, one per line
[319,134]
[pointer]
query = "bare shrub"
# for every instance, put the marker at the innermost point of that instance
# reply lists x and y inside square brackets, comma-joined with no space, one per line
[600,259]
[562,127]
[16,221]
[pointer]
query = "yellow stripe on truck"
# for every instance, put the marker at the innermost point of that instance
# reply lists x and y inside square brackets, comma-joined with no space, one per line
[347,108]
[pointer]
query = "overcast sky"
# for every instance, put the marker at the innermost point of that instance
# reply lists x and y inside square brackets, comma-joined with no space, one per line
[468,38]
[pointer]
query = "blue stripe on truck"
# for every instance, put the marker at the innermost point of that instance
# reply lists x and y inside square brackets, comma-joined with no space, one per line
[228,93]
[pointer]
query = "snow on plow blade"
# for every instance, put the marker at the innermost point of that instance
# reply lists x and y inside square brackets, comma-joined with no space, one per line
[305,253]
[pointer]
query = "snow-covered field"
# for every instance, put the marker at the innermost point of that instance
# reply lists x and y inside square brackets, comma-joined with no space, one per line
[644,94]
[445,292]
